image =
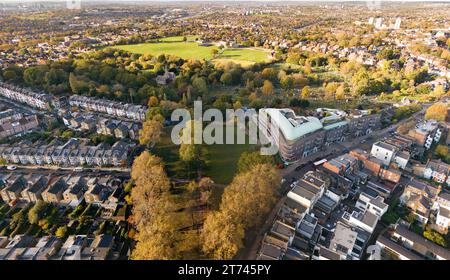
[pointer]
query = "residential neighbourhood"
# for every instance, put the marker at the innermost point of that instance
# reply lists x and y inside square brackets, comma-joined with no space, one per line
[225,130]
[98,199]
[132,112]
[70,153]
[346,199]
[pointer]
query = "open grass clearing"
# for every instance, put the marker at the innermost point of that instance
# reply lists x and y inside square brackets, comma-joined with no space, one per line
[192,50]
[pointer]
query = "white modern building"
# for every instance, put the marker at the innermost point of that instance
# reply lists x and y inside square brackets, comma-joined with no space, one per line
[348,241]
[369,200]
[384,152]
[308,190]
[366,221]
[443,212]
[402,159]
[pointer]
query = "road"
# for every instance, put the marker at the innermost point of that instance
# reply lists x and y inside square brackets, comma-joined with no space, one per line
[18,107]
[254,240]
[122,173]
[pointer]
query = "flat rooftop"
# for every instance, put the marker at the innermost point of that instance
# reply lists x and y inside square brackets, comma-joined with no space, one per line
[292,126]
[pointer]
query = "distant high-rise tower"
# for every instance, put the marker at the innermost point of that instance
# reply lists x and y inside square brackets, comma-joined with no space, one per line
[398,22]
[378,22]
[371,20]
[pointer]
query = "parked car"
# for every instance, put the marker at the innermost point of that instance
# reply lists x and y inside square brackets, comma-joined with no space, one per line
[11,167]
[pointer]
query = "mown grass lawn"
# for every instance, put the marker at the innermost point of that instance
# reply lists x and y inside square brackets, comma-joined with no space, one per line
[191,50]
[187,50]
[222,161]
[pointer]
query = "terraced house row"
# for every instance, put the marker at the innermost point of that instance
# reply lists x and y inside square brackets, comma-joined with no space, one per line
[70,190]
[14,124]
[76,247]
[117,109]
[106,126]
[71,153]
[33,99]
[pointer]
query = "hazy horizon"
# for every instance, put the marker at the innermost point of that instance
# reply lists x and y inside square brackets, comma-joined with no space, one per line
[399,1]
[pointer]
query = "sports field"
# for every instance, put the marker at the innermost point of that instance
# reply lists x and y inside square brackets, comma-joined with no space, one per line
[191,50]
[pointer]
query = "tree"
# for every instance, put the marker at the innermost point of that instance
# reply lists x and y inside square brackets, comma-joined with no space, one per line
[189,151]
[299,80]
[332,87]
[78,86]
[269,74]
[251,195]
[340,92]
[406,111]
[248,160]
[10,75]
[329,95]
[267,88]
[35,75]
[286,82]
[61,232]
[200,85]
[307,69]
[157,234]
[404,128]
[411,218]
[103,89]
[293,58]
[205,186]
[158,240]
[153,101]
[221,238]
[442,151]
[151,184]
[445,55]
[214,53]
[435,237]
[245,202]
[155,113]
[439,91]
[237,105]
[226,78]
[151,132]
[67,134]
[296,102]
[437,111]
[37,212]
[306,92]
[128,186]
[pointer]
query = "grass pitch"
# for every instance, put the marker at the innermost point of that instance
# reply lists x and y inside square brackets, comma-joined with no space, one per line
[191,50]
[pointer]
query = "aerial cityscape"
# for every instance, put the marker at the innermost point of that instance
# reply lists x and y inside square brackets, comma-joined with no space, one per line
[224,130]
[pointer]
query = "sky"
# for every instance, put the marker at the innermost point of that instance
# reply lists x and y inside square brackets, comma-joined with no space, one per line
[172,1]
[25,1]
